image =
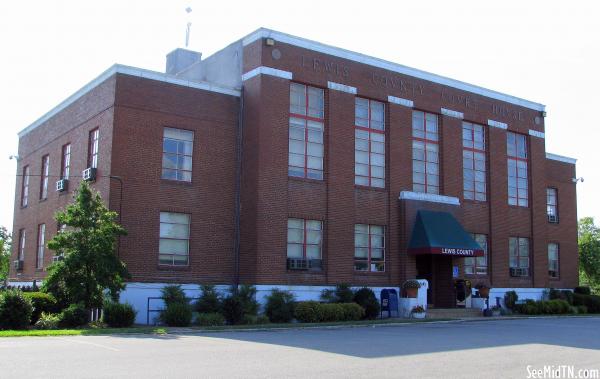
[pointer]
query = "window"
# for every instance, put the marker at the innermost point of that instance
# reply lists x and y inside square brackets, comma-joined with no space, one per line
[177,154]
[304,239]
[21,256]
[426,169]
[44,177]
[174,244]
[369,143]
[519,256]
[518,186]
[25,187]
[39,262]
[553,268]
[305,156]
[552,205]
[474,178]
[65,166]
[369,248]
[478,265]
[93,148]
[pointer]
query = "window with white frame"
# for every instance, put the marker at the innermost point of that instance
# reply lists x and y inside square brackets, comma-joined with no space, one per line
[369,248]
[25,187]
[519,256]
[177,154]
[478,265]
[553,262]
[369,143]
[174,243]
[44,177]
[65,162]
[474,177]
[552,205]
[307,120]
[93,141]
[22,236]
[39,262]
[518,181]
[425,145]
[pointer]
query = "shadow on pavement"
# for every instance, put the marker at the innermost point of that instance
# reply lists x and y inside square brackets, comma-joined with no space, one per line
[376,342]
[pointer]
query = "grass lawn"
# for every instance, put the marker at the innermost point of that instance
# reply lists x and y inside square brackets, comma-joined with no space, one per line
[167,330]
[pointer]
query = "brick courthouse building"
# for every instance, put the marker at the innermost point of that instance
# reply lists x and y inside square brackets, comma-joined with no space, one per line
[280,161]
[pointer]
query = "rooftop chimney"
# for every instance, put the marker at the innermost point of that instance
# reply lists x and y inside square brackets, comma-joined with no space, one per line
[180,59]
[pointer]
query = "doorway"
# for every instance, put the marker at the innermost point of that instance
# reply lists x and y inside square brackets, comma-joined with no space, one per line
[437,270]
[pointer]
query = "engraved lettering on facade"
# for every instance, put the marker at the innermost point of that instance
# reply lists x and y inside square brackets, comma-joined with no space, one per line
[325,66]
[402,85]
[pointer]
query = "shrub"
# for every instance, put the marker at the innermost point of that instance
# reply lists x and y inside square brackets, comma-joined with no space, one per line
[73,316]
[365,297]
[42,302]
[561,295]
[210,319]
[255,320]
[47,321]
[233,309]
[117,315]
[15,310]
[510,299]
[280,306]
[329,312]
[177,314]
[592,302]
[307,311]
[209,301]
[341,294]
[583,290]
[351,312]
[581,309]
[173,294]
[247,296]
[555,306]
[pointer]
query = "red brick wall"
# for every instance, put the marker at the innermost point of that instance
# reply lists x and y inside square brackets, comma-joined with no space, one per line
[71,125]
[142,109]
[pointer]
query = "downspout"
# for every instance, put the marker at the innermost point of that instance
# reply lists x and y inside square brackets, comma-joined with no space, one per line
[238,185]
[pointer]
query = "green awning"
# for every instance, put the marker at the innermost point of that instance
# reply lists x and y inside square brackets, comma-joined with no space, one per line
[440,233]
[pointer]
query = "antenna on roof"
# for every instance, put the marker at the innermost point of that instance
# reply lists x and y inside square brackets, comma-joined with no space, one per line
[189,25]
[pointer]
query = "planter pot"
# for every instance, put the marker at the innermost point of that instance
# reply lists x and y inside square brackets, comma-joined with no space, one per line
[411,292]
[418,315]
[484,292]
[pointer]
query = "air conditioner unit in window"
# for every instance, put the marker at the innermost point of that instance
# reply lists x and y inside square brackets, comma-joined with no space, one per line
[18,264]
[57,258]
[552,218]
[89,174]
[297,264]
[519,271]
[62,185]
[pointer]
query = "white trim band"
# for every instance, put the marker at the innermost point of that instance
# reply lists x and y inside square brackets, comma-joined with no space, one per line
[263,70]
[561,158]
[535,133]
[341,87]
[451,113]
[401,101]
[131,71]
[386,65]
[497,124]
[420,196]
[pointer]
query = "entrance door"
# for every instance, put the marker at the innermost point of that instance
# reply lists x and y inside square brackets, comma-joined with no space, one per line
[437,270]
[425,271]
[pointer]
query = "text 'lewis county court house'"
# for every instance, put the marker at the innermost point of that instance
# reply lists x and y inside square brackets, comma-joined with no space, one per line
[283,162]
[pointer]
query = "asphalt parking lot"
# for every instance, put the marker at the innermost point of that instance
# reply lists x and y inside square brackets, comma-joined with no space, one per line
[486,349]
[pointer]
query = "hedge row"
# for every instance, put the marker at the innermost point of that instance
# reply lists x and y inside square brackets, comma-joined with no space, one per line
[312,311]
[556,306]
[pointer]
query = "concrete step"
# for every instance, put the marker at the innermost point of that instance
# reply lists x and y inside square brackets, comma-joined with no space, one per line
[453,313]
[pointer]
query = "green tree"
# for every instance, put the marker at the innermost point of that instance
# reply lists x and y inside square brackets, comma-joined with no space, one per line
[5,244]
[88,242]
[589,253]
